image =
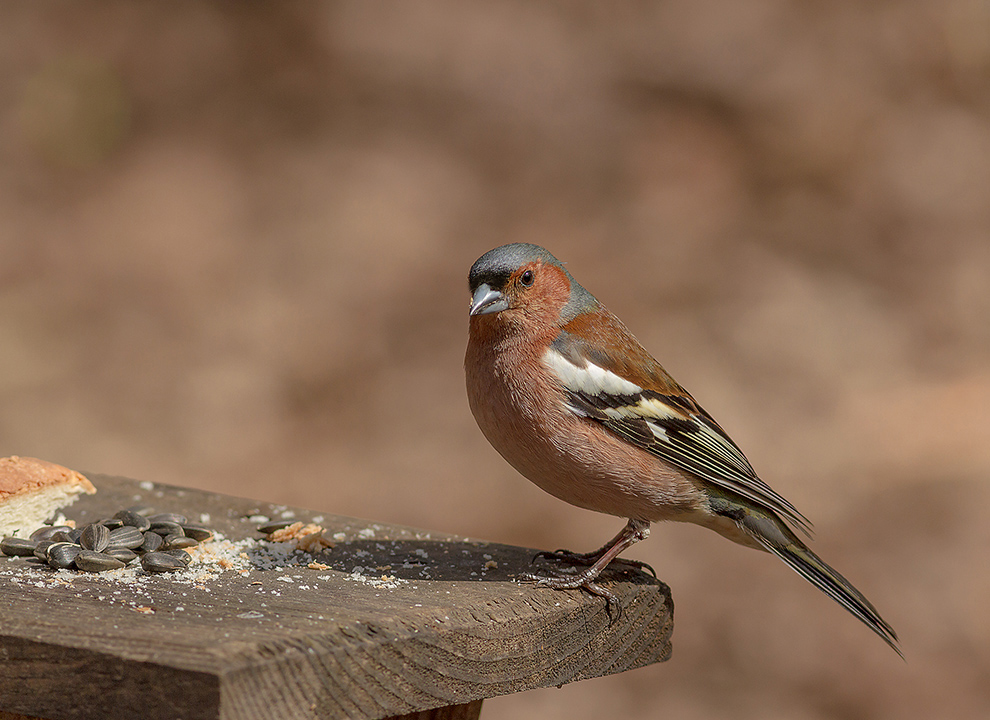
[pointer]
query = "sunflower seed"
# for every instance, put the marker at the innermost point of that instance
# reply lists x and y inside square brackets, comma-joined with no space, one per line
[156,562]
[96,562]
[197,532]
[181,555]
[126,536]
[125,555]
[41,549]
[177,542]
[94,537]
[45,532]
[61,555]
[166,528]
[113,542]
[271,527]
[168,517]
[15,546]
[132,519]
[152,542]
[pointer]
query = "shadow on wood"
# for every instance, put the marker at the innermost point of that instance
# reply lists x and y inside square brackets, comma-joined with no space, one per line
[468,711]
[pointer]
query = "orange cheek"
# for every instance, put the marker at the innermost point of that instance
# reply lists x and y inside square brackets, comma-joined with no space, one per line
[550,293]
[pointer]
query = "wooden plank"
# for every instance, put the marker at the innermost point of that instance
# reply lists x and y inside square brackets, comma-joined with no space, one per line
[446,626]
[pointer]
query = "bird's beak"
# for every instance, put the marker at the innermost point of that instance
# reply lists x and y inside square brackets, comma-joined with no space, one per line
[486,300]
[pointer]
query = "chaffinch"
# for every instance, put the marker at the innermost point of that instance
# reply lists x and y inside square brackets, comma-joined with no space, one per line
[567,395]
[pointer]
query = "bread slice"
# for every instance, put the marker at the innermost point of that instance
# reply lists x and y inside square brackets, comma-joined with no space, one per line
[31,490]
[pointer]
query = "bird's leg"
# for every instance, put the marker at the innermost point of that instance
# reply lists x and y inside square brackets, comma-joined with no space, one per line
[590,558]
[632,533]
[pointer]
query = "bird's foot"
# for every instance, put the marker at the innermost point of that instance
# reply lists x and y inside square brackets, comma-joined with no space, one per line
[591,558]
[633,532]
[584,580]
[568,556]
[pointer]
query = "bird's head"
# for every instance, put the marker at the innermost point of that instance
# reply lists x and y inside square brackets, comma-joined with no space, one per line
[525,284]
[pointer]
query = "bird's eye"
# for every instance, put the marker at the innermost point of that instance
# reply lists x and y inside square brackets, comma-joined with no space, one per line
[526,278]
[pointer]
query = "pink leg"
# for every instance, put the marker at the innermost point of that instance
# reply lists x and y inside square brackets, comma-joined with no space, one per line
[632,533]
[590,558]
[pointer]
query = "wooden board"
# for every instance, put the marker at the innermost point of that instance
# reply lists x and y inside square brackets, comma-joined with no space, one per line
[401,621]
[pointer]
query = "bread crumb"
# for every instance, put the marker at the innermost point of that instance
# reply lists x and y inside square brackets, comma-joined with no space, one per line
[309,538]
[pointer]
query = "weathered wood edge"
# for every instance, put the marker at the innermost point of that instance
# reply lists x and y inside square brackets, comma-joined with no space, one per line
[467,711]
[506,653]
[510,638]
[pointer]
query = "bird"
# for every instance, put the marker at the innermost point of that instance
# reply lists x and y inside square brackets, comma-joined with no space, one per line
[569,397]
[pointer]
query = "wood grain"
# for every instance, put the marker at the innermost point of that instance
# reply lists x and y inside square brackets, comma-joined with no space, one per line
[450,628]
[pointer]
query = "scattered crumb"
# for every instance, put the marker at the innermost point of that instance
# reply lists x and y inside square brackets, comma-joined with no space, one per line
[144,609]
[383,581]
[491,565]
[60,519]
[309,538]
[318,566]
[289,532]
[314,541]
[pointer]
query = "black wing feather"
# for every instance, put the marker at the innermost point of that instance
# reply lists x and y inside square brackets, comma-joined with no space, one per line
[690,440]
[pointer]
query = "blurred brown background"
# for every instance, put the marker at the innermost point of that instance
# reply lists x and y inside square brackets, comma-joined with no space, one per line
[234,241]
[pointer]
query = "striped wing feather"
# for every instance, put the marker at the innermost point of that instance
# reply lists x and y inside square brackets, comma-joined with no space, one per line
[667,423]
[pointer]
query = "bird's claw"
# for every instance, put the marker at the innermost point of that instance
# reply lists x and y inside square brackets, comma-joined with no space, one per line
[561,582]
[591,558]
[639,565]
[567,556]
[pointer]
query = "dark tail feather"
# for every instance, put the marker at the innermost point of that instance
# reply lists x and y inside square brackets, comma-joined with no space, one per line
[785,545]
[815,570]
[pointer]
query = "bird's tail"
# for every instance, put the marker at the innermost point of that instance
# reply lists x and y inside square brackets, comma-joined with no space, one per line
[775,536]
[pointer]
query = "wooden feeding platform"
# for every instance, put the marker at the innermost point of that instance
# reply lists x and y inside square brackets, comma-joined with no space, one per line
[389,622]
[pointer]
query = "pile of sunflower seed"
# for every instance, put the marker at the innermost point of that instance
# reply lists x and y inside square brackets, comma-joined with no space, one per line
[158,539]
